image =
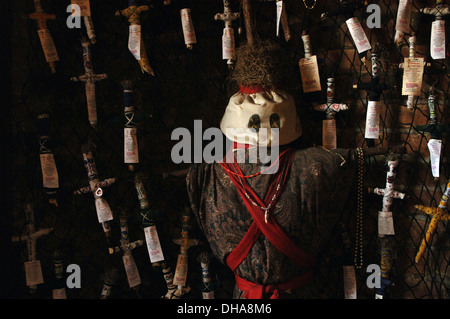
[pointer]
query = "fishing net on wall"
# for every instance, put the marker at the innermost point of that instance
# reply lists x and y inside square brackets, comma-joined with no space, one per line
[194,84]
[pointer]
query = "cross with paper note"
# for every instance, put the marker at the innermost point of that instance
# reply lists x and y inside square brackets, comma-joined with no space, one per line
[33,269]
[329,140]
[228,42]
[135,44]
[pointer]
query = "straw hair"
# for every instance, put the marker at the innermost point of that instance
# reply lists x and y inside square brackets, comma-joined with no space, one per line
[260,64]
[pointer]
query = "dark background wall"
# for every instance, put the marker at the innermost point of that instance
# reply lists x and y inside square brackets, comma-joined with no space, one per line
[188,85]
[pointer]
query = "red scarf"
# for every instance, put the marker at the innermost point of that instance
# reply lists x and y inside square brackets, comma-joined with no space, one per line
[271,230]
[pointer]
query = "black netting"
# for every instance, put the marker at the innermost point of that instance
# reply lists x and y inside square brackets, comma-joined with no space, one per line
[194,84]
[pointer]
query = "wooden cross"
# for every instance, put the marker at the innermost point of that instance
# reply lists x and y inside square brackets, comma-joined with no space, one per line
[182,264]
[30,237]
[41,18]
[388,193]
[385,221]
[438,214]
[228,17]
[330,108]
[133,14]
[95,187]
[89,78]
[126,247]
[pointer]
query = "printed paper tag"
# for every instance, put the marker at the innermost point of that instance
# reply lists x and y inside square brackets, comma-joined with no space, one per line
[181,271]
[153,244]
[372,120]
[85,7]
[228,46]
[329,134]
[48,46]
[309,71]
[134,40]
[403,16]
[91,103]
[104,212]
[279,10]
[130,145]
[33,273]
[49,171]
[188,26]
[437,42]
[349,282]
[412,76]
[59,293]
[358,35]
[434,146]
[385,223]
[131,270]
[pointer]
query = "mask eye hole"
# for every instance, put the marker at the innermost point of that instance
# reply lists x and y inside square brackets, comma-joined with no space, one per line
[254,122]
[275,121]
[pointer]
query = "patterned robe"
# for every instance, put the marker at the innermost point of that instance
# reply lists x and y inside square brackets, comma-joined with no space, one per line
[308,210]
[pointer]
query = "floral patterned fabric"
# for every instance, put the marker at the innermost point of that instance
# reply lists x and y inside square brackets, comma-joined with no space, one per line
[308,210]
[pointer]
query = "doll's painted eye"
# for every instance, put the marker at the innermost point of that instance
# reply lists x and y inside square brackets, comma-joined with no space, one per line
[275,121]
[254,122]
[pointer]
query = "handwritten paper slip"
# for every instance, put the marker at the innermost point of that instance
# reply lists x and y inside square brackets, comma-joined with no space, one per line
[104,212]
[329,134]
[134,40]
[181,270]
[412,76]
[33,273]
[153,244]
[130,145]
[358,35]
[228,46]
[188,26]
[48,46]
[49,171]
[437,42]
[385,223]
[435,146]
[309,72]
[349,282]
[403,16]
[131,270]
[372,120]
